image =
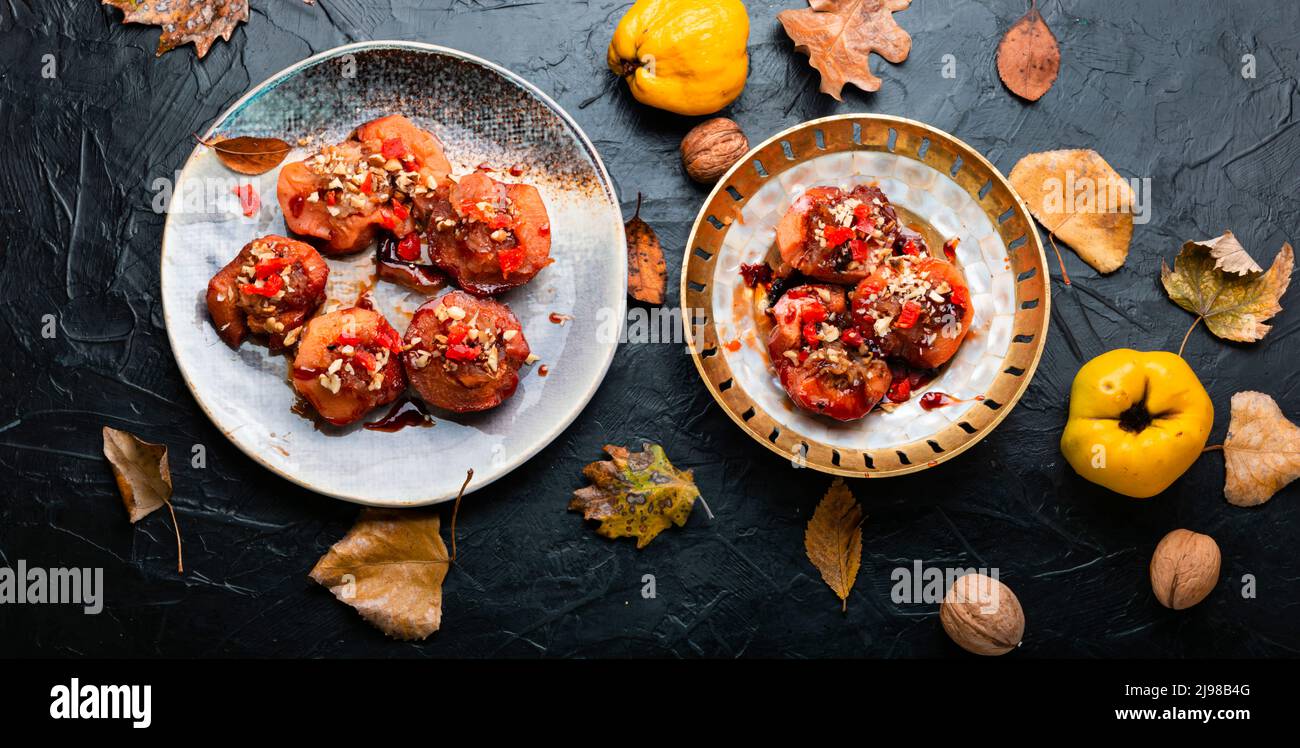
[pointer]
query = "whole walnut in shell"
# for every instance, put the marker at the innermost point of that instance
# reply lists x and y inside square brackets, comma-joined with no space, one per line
[1184,569]
[982,615]
[711,147]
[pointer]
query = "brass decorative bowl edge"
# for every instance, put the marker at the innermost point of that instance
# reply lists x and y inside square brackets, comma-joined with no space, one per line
[931,146]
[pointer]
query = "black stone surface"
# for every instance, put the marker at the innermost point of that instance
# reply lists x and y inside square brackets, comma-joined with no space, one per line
[1157,87]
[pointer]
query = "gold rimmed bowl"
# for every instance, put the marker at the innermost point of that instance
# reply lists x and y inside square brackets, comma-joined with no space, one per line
[940,183]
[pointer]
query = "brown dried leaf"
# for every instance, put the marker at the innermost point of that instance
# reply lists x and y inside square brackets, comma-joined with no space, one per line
[1235,298]
[834,539]
[1078,197]
[647,274]
[185,21]
[390,567]
[839,35]
[140,468]
[1229,256]
[1028,57]
[252,156]
[143,478]
[636,494]
[1262,450]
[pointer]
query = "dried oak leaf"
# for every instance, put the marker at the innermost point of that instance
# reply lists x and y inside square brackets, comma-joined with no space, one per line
[647,274]
[636,494]
[1262,450]
[390,567]
[143,478]
[838,36]
[185,21]
[1079,198]
[1028,57]
[247,155]
[834,539]
[1233,295]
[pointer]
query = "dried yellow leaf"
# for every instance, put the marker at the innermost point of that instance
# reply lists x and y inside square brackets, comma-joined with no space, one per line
[833,539]
[390,567]
[636,494]
[1080,199]
[1211,280]
[1262,450]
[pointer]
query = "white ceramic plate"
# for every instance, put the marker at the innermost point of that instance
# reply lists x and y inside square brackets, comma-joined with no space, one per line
[482,113]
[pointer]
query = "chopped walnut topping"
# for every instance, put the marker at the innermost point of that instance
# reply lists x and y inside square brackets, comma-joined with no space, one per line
[882,326]
[331,382]
[842,211]
[951,326]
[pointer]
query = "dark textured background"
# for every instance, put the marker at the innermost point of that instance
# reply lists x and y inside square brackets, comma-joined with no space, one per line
[1155,86]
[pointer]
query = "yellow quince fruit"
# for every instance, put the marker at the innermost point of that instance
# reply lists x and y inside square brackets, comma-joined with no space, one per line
[1137,421]
[685,56]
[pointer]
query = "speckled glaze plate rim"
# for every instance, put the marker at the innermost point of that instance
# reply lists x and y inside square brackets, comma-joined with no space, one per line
[480,479]
[1029,340]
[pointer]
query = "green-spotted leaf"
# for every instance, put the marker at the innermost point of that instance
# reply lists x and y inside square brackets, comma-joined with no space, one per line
[636,494]
[1218,282]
